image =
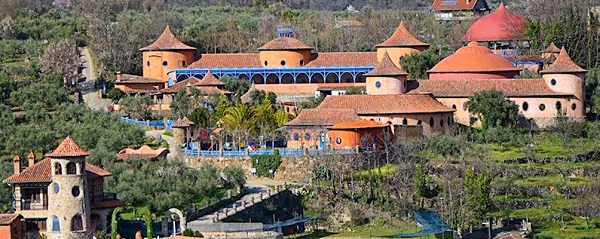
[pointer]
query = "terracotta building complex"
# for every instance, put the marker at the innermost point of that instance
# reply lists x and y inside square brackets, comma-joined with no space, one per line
[292,70]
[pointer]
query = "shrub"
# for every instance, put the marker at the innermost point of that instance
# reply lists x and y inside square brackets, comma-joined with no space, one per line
[503,136]
[265,163]
[190,233]
[444,144]
[115,94]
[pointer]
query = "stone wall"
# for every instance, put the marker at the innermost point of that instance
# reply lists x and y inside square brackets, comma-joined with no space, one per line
[292,169]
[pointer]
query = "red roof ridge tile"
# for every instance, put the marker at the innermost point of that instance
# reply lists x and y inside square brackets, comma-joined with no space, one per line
[68,148]
[41,172]
[402,37]
[284,43]
[386,68]
[563,64]
[323,117]
[210,80]
[385,104]
[167,41]
[467,87]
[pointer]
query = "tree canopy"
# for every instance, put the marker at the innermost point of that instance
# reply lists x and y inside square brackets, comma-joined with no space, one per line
[493,109]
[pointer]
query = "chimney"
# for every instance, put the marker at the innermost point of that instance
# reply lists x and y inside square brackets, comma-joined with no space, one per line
[17,164]
[31,158]
[118,73]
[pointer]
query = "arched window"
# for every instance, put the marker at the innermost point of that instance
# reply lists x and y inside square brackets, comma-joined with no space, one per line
[266,63]
[431,122]
[525,106]
[71,168]
[573,106]
[75,191]
[301,62]
[57,169]
[183,63]
[55,224]
[441,122]
[147,63]
[449,122]
[76,223]
[404,121]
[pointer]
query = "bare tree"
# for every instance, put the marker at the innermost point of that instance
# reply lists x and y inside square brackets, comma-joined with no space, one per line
[62,58]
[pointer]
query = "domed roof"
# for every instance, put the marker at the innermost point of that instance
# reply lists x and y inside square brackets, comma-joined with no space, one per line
[167,41]
[563,64]
[499,25]
[473,58]
[284,43]
[402,37]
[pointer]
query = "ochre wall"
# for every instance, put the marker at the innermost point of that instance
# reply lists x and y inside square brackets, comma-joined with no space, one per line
[389,85]
[396,52]
[567,83]
[413,119]
[302,142]
[6,233]
[292,58]
[463,76]
[352,138]
[174,60]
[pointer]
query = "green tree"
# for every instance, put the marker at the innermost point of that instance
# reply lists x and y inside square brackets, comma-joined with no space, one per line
[201,117]
[237,86]
[257,97]
[493,109]
[115,94]
[185,101]
[221,109]
[137,107]
[238,120]
[313,102]
[354,90]
[420,183]
[478,188]
[418,63]
[235,177]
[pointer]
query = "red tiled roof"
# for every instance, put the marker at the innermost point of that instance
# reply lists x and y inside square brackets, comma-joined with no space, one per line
[385,104]
[323,117]
[106,204]
[145,152]
[386,68]
[343,59]
[499,25]
[440,5]
[563,64]
[362,124]
[552,48]
[210,80]
[181,85]
[284,43]
[41,172]
[133,79]
[466,88]
[68,148]
[402,37]
[185,122]
[167,41]
[7,219]
[473,58]
[230,60]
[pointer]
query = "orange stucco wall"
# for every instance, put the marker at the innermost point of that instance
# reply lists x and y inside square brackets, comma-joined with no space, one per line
[6,233]
[389,85]
[292,58]
[313,142]
[567,83]
[139,87]
[349,139]
[396,52]
[153,62]
[463,76]
[440,121]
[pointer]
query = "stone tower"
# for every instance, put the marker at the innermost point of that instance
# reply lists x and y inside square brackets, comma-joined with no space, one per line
[68,204]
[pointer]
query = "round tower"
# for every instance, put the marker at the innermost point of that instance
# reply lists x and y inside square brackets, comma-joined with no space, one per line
[386,78]
[68,202]
[565,76]
[400,44]
[284,52]
[165,54]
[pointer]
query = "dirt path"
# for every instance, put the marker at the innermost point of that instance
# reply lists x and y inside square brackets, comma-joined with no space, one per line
[91,97]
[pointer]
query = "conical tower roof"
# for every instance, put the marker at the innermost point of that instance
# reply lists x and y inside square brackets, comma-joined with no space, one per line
[563,64]
[209,80]
[402,37]
[386,68]
[167,41]
[551,49]
[500,25]
[68,148]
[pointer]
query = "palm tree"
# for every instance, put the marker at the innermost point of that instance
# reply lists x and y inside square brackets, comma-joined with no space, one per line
[238,119]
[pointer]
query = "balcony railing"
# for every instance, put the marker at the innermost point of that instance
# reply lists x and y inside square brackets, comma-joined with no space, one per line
[28,204]
[104,197]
